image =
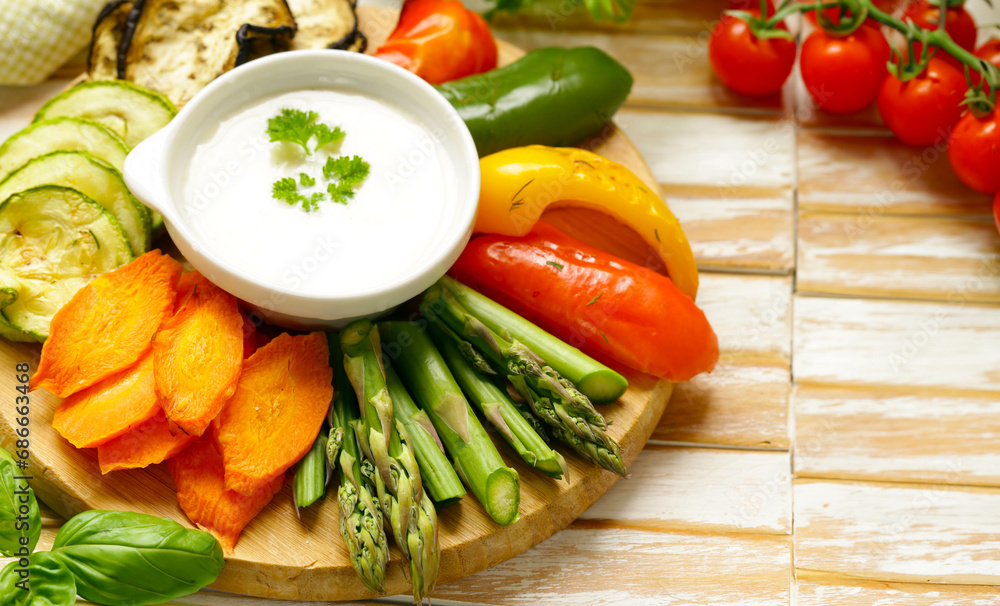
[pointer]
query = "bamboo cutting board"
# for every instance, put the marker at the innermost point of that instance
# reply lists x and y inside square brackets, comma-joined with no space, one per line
[281,555]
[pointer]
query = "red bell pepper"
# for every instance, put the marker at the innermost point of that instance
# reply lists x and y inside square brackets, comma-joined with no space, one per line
[440,40]
[591,299]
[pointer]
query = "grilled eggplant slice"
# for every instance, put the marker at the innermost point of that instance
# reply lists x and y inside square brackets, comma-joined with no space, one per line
[177,48]
[326,24]
[109,29]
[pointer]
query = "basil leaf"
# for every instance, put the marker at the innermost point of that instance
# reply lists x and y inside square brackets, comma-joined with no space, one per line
[20,521]
[45,582]
[129,558]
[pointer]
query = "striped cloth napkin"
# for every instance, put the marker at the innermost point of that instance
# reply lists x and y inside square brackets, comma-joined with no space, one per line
[38,36]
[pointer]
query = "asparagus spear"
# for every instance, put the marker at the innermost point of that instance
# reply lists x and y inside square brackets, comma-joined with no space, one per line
[595,380]
[436,473]
[498,409]
[385,442]
[360,517]
[548,398]
[476,458]
[440,303]
[312,474]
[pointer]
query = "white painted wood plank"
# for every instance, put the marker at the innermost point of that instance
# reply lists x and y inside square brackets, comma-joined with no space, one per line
[878,176]
[737,233]
[909,257]
[750,314]
[944,345]
[898,532]
[703,489]
[742,403]
[718,152]
[897,435]
[618,567]
[847,592]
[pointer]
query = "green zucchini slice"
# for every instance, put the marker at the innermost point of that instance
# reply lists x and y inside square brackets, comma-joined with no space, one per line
[7,296]
[130,110]
[65,133]
[95,179]
[53,241]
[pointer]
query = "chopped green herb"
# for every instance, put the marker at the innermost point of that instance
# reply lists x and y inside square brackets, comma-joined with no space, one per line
[286,189]
[605,337]
[312,203]
[340,192]
[558,266]
[326,136]
[350,170]
[293,126]
[594,300]
[306,180]
[96,241]
[656,233]
[517,204]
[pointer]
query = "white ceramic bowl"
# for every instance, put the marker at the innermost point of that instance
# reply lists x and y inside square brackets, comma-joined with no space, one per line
[156,172]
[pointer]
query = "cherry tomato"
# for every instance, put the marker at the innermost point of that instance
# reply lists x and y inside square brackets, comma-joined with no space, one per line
[990,51]
[974,151]
[843,74]
[746,63]
[834,13]
[959,25]
[923,110]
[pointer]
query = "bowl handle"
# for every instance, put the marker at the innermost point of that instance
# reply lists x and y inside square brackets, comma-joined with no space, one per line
[145,174]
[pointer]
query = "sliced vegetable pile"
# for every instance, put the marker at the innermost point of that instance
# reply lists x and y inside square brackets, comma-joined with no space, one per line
[66,215]
[936,91]
[106,557]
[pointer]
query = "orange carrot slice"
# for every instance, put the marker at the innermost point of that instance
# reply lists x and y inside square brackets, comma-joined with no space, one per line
[107,325]
[275,415]
[198,354]
[109,409]
[150,443]
[201,492]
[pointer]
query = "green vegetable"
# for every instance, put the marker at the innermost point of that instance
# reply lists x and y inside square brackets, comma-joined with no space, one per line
[311,473]
[20,521]
[47,581]
[385,443]
[124,558]
[360,516]
[619,11]
[551,96]
[595,380]
[351,170]
[287,189]
[436,473]
[476,458]
[497,408]
[299,127]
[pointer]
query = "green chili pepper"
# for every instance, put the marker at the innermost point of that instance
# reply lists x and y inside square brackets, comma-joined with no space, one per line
[551,96]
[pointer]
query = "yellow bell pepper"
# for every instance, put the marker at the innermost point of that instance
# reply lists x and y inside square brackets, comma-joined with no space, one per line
[518,184]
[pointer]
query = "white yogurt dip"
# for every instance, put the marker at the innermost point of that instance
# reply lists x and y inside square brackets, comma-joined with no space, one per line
[381,236]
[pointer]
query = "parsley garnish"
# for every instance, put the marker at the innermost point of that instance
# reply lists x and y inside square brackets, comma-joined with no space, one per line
[350,170]
[343,173]
[558,266]
[298,127]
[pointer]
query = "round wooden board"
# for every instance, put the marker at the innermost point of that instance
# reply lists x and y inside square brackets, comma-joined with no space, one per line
[285,556]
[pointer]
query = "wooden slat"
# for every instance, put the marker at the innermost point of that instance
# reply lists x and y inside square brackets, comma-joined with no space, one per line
[898,532]
[744,401]
[879,176]
[737,233]
[932,345]
[850,592]
[901,434]
[604,566]
[909,257]
[739,404]
[702,489]
[670,70]
[721,154]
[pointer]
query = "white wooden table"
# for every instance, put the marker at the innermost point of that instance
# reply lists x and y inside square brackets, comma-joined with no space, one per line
[846,451]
